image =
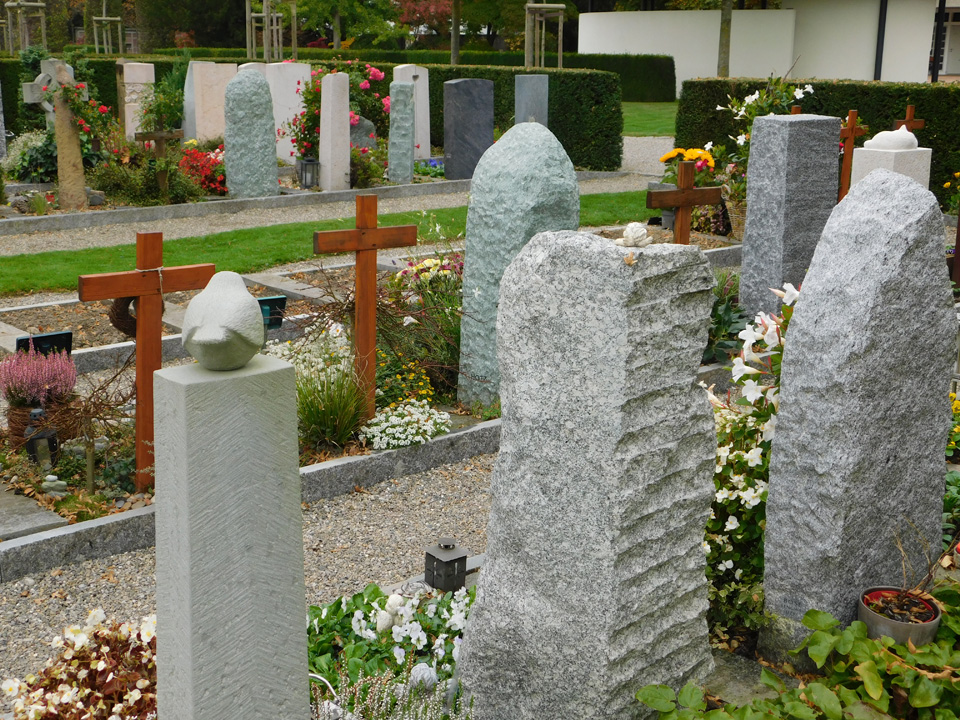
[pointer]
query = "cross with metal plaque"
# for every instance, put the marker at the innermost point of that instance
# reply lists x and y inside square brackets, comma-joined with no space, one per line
[365,240]
[848,135]
[910,121]
[684,199]
[147,284]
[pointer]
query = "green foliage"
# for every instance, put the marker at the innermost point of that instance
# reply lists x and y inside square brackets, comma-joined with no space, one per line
[726,321]
[951,508]
[38,163]
[136,183]
[329,407]
[163,108]
[375,19]
[214,22]
[118,475]
[399,378]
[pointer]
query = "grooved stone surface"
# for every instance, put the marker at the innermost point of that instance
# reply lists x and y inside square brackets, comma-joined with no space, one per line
[230,588]
[335,132]
[249,140]
[400,152]
[531,98]
[913,163]
[467,125]
[792,187]
[525,184]
[864,416]
[420,77]
[594,578]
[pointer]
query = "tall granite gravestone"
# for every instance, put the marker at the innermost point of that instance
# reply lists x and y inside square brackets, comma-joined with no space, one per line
[523,185]
[249,140]
[593,583]
[858,455]
[531,98]
[204,95]
[467,125]
[420,77]
[230,589]
[334,144]
[792,185]
[400,152]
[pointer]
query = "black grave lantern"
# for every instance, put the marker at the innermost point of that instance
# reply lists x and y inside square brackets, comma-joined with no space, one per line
[42,444]
[446,566]
[272,309]
[309,173]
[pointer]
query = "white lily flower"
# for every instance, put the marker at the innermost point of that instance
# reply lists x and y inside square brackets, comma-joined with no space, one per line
[790,295]
[751,98]
[769,428]
[741,139]
[808,89]
[740,369]
[752,391]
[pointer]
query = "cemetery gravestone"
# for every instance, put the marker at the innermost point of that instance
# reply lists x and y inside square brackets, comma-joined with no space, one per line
[137,82]
[603,483]
[523,185]
[249,158]
[34,93]
[71,184]
[400,153]
[420,77]
[897,151]
[791,189]
[531,98]
[467,125]
[857,458]
[286,80]
[334,140]
[204,97]
[363,133]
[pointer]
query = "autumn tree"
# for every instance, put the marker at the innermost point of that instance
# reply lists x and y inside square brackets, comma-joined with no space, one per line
[376,18]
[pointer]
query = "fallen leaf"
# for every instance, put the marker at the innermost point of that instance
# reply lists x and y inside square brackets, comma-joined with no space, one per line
[56,573]
[109,577]
[59,594]
[629,259]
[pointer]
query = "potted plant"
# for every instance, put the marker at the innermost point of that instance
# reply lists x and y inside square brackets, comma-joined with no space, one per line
[30,380]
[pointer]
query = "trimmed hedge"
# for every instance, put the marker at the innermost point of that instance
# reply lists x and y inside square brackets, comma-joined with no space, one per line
[878,105]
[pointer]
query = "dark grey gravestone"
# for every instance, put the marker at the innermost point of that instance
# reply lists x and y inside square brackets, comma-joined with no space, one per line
[249,139]
[531,98]
[402,127]
[523,185]
[593,583]
[792,184]
[467,125]
[364,133]
[858,455]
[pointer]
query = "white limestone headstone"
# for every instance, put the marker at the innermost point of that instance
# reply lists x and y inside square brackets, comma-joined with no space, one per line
[138,81]
[287,81]
[894,150]
[420,77]
[335,132]
[204,96]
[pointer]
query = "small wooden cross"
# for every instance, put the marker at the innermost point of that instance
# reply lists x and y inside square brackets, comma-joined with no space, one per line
[796,110]
[684,198]
[365,240]
[848,133]
[911,122]
[147,283]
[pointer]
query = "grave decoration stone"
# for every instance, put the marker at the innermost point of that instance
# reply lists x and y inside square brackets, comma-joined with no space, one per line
[334,143]
[420,77]
[147,284]
[525,184]
[857,459]
[136,83]
[249,140]
[531,99]
[363,134]
[683,199]
[849,132]
[791,189]
[467,125]
[401,152]
[896,150]
[204,96]
[603,483]
[230,588]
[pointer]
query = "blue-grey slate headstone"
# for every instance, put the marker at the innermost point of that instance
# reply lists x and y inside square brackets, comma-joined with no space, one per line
[467,125]
[531,98]
[249,140]
[364,133]
[402,127]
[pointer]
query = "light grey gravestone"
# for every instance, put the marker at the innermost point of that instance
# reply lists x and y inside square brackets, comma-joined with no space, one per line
[858,455]
[249,140]
[467,125]
[400,152]
[525,184]
[364,133]
[334,146]
[593,583]
[792,185]
[230,594]
[420,77]
[531,98]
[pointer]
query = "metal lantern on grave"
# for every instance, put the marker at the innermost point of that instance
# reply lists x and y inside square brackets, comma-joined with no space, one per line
[446,566]
[309,173]
[42,444]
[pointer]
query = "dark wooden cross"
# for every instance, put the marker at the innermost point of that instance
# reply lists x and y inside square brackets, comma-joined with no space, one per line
[911,122]
[147,283]
[848,134]
[365,240]
[684,198]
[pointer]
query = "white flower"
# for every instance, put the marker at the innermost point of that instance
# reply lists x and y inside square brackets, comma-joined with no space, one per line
[131,697]
[148,628]
[721,107]
[76,636]
[769,428]
[706,547]
[732,523]
[96,617]
[57,642]
[772,337]
[10,687]
[384,621]
[740,369]
[750,498]
[798,94]
[741,139]
[725,565]
[751,98]
[357,622]
[754,457]
[722,494]
[417,636]
[738,573]
[399,633]
[408,320]
[749,335]
[456,648]
[101,665]
[808,89]
[457,621]
[790,294]
[752,391]
[709,146]
[399,653]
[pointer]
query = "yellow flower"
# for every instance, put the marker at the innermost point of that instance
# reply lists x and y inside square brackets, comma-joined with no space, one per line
[672,154]
[956,174]
[947,184]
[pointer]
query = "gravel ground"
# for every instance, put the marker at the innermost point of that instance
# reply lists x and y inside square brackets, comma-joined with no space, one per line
[374,536]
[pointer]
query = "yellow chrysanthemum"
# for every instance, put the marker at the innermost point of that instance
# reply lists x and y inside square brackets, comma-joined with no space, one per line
[672,154]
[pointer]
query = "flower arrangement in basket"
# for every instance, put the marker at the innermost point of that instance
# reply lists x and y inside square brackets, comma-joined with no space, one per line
[33,380]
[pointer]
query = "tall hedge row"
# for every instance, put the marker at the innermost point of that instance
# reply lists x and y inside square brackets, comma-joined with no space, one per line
[878,104]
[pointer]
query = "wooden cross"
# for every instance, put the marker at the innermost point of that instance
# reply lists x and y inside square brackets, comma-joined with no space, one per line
[796,110]
[147,283]
[911,122]
[365,240]
[848,134]
[684,198]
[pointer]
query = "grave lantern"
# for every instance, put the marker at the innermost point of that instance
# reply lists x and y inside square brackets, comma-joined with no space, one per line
[446,566]
[309,172]
[272,309]
[42,445]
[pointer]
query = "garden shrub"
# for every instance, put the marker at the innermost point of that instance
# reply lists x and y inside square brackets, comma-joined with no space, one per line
[37,163]
[135,182]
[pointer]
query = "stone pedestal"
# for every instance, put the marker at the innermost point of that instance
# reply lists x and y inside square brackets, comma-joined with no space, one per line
[204,96]
[137,82]
[249,141]
[912,163]
[467,125]
[229,544]
[420,77]
[401,149]
[531,99]
[334,143]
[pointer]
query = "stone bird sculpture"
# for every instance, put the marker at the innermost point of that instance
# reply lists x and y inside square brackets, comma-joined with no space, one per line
[223,325]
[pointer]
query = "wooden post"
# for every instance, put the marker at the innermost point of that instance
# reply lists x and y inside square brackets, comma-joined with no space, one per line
[684,198]
[796,110]
[147,283]
[365,240]
[848,134]
[911,122]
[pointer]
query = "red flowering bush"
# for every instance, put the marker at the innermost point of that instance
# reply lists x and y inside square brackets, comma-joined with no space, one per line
[93,117]
[205,168]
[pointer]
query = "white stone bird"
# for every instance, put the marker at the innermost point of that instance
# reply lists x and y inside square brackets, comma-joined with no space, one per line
[223,325]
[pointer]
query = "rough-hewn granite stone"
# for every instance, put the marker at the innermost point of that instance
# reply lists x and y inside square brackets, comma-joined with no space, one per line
[402,122]
[467,125]
[594,577]
[249,139]
[523,185]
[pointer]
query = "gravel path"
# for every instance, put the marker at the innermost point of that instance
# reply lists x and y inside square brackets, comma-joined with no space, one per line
[374,536]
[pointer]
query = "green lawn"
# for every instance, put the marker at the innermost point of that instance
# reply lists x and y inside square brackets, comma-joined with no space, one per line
[256,249]
[642,119]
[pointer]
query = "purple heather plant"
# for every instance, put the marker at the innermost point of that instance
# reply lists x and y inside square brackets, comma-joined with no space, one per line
[30,379]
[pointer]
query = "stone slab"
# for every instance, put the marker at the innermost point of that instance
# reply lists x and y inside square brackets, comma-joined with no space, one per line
[401,152]
[420,77]
[531,99]
[204,97]
[467,125]
[250,145]
[334,143]
[20,515]
[912,163]
[286,81]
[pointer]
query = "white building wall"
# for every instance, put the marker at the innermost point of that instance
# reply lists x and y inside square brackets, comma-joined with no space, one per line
[836,39]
